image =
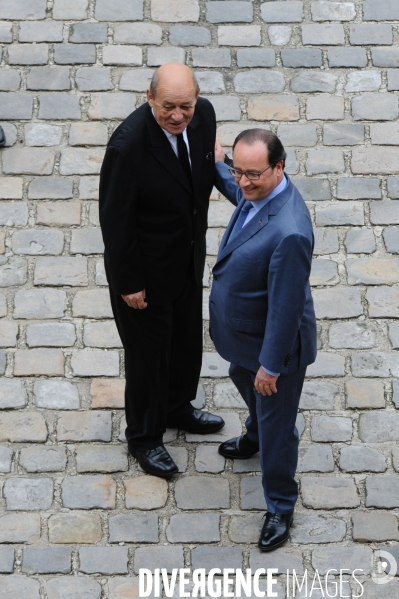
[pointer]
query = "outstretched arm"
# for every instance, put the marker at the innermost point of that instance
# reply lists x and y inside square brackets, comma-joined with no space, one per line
[224,181]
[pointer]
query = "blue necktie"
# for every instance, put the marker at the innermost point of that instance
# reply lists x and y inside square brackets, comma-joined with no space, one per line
[241,219]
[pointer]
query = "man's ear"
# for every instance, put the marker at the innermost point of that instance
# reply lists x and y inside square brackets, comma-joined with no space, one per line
[150,98]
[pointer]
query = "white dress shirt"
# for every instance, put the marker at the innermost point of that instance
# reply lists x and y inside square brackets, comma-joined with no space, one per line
[173,139]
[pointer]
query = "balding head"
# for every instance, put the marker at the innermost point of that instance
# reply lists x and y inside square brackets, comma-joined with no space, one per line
[172,96]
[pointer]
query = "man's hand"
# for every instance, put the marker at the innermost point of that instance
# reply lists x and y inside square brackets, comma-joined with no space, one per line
[136,300]
[265,383]
[219,152]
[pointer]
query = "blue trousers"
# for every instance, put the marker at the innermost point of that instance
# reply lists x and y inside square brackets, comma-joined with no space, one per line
[271,423]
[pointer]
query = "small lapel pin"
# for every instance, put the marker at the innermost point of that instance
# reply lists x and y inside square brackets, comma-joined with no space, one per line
[209,156]
[260,222]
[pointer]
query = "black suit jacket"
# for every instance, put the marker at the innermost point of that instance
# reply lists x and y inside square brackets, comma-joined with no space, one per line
[151,218]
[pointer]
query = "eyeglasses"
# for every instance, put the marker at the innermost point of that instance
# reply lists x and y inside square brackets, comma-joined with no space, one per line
[251,175]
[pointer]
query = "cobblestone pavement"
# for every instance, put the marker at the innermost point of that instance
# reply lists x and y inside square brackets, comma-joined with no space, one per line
[78,519]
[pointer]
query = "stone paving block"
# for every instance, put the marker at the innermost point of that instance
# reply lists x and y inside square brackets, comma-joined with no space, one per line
[227,108]
[7,559]
[375,364]
[75,54]
[347,57]
[174,11]
[88,187]
[38,242]
[55,188]
[375,107]
[12,394]
[315,458]
[145,493]
[8,333]
[34,362]
[42,135]
[353,188]
[29,161]
[28,494]
[61,271]
[391,239]
[326,241]
[298,135]
[317,529]
[329,492]
[313,189]
[366,81]
[121,587]
[384,134]
[276,12]
[19,586]
[210,82]
[22,427]
[325,34]
[372,271]
[262,80]
[6,32]
[382,491]
[50,334]
[374,527]
[333,11]
[99,458]
[74,527]
[385,212]
[226,395]
[255,57]
[12,271]
[394,334]
[356,335]
[106,560]
[370,33]
[361,459]
[11,188]
[89,491]
[56,395]
[10,80]
[93,79]
[395,456]
[86,33]
[224,557]
[385,161]
[125,55]
[160,56]
[324,161]
[237,12]
[279,35]
[39,31]
[59,107]
[23,10]
[101,334]
[28,54]
[377,427]
[87,241]
[301,57]
[46,560]
[39,303]
[342,302]
[5,459]
[343,135]
[232,428]
[73,587]
[101,278]
[213,365]
[385,57]
[110,106]
[339,213]
[393,79]
[138,33]
[364,394]
[282,559]
[43,459]
[351,558]
[227,133]
[324,272]
[239,35]
[325,107]
[208,460]
[193,528]
[245,529]
[218,57]
[75,9]
[159,557]
[92,303]
[179,455]
[319,395]
[330,429]
[15,106]
[251,493]
[19,528]
[313,81]
[107,393]
[84,426]
[136,528]
[327,364]
[274,107]
[201,492]
[384,11]
[81,161]
[189,35]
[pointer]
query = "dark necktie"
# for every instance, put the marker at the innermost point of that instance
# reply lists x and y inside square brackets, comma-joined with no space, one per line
[240,220]
[183,156]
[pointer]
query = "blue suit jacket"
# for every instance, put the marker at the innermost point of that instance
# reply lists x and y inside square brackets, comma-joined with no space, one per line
[261,308]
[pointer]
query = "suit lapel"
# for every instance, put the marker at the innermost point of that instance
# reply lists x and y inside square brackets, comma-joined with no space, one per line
[196,150]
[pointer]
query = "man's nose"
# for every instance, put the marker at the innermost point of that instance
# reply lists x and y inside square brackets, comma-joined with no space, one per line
[177,114]
[244,181]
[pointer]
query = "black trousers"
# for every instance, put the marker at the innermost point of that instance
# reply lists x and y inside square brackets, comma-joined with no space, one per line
[163,355]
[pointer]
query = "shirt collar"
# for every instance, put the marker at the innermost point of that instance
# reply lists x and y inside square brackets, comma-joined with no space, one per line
[280,187]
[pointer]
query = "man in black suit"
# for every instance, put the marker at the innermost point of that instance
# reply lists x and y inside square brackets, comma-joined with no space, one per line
[155,183]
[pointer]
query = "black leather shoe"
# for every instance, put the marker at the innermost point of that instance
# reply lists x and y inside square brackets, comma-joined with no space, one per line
[154,461]
[199,422]
[275,530]
[239,448]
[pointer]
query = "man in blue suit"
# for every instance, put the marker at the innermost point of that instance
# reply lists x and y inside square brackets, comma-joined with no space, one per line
[262,316]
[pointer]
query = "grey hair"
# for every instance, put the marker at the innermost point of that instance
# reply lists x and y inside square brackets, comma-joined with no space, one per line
[155,82]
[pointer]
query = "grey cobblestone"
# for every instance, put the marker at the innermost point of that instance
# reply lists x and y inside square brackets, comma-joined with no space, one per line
[359,459]
[28,493]
[46,560]
[43,459]
[193,528]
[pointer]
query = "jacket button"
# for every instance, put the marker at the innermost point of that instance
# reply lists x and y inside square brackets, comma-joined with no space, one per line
[192,243]
[195,211]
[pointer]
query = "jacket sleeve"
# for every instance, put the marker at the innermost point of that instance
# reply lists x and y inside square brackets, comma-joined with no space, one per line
[225,183]
[118,200]
[288,279]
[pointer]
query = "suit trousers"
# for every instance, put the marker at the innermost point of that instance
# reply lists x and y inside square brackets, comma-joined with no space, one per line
[271,423]
[163,355]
